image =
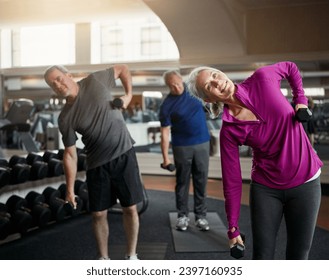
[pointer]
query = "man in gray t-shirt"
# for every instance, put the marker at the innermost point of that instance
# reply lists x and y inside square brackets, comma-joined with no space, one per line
[112,168]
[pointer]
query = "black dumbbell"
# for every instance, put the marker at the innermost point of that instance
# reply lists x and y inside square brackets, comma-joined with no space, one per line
[48,155]
[59,208]
[60,154]
[19,171]
[4,173]
[117,103]
[20,215]
[237,251]
[81,189]
[39,169]
[81,158]
[82,163]
[79,203]
[5,222]
[40,211]
[170,167]
[55,165]
[16,159]
[303,115]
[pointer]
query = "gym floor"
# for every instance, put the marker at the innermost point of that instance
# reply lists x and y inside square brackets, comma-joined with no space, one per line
[157,182]
[215,187]
[215,190]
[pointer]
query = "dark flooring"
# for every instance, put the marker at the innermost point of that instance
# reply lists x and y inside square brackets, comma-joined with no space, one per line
[72,239]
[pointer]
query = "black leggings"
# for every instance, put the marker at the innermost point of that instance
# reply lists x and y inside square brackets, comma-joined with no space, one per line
[299,206]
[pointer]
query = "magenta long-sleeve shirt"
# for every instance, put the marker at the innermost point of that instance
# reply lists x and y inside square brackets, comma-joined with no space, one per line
[282,154]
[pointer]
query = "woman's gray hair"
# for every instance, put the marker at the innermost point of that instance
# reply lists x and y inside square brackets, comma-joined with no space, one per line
[214,109]
[191,82]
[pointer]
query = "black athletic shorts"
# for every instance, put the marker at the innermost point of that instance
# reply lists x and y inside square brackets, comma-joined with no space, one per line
[117,179]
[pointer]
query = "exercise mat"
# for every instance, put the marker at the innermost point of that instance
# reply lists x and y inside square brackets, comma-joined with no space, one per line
[195,240]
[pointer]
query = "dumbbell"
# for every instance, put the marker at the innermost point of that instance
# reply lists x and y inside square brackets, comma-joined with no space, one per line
[59,208]
[81,158]
[79,203]
[4,173]
[237,251]
[37,169]
[20,215]
[55,165]
[117,103]
[170,167]
[81,189]
[19,172]
[40,211]
[303,115]
[60,154]
[5,222]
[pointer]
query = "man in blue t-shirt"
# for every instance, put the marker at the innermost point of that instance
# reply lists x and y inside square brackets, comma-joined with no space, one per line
[184,116]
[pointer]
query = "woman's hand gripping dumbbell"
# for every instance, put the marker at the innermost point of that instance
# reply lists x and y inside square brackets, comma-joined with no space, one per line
[237,246]
[303,113]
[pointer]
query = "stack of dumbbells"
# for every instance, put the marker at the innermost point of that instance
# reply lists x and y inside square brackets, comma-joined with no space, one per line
[37,210]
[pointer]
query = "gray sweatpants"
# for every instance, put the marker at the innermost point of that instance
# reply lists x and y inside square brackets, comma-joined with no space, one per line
[191,160]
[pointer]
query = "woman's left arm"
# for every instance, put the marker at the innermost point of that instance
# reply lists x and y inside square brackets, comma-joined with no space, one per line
[291,73]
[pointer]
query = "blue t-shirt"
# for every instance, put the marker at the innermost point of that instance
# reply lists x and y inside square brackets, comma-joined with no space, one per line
[185,114]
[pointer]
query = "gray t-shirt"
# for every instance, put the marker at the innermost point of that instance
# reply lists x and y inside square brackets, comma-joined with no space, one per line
[103,129]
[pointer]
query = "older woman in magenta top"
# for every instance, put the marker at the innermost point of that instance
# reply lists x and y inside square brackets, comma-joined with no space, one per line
[285,171]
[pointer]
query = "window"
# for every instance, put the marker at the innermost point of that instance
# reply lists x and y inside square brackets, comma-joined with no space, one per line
[135,39]
[6,47]
[151,41]
[314,91]
[45,45]
[111,44]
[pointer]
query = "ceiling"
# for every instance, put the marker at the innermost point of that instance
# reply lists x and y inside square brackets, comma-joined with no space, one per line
[236,35]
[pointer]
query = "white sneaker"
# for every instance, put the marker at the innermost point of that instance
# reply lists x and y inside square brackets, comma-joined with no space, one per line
[202,224]
[131,258]
[182,223]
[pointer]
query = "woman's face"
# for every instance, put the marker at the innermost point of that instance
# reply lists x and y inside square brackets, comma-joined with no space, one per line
[215,85]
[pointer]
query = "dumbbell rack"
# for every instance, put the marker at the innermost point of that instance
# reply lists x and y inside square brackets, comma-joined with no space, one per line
[38,186]
[23,189]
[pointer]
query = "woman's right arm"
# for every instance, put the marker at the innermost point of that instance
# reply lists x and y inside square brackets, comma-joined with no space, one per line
[232,181]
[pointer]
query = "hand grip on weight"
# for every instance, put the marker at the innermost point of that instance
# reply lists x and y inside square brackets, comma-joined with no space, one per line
[237,250]
[170,167]
[117,103]
[303,115]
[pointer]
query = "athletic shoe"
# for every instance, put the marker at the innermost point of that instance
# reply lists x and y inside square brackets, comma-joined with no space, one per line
[104,258]
[131,258]
[182,223]
[202,224]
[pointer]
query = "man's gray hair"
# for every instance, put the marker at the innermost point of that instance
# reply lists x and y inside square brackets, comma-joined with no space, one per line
[169,73]
[50,69]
